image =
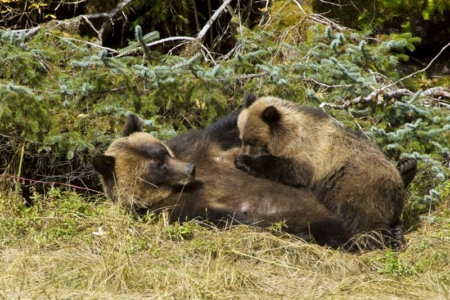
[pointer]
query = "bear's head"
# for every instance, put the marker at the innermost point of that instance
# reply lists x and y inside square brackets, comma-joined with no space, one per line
[270,125]
[139,170]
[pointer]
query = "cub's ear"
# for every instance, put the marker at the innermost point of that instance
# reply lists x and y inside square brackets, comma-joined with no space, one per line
[271,115]
[133,125]
[104,165]
[249,99]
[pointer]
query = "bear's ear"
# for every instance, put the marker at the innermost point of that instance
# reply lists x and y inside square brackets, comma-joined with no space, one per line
[271,115]
[133,125]
[249,99]
[104,165]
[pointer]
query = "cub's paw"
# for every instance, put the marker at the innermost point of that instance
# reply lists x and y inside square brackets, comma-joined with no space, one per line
[407,168]
[242,162]
[405,165]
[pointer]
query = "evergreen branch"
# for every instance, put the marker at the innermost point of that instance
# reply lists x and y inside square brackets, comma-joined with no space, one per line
[343,69]
[140,38]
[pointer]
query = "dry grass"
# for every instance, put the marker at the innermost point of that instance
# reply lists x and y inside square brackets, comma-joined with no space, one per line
[50,252]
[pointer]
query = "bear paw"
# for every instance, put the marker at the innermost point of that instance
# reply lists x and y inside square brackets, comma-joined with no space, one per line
[407,168]
[242,162]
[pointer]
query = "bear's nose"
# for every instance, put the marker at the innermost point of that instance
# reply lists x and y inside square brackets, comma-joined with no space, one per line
[191,170]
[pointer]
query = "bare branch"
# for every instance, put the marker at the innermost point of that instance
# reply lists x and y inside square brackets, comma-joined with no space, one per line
[32,32]
[375,96]
[212,19]
[90,24]
[174,38]
[334,4]
[110,17]
[437,91]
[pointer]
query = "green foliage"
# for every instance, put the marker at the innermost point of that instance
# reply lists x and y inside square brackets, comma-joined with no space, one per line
[180,232]
[394,264]
[53,217]
[278,226]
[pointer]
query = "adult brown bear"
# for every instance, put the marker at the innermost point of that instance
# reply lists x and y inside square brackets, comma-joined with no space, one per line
[143,173]
[302,147]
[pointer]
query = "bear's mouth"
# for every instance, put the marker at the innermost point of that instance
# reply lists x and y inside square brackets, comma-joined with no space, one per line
[188,187]
[187,180]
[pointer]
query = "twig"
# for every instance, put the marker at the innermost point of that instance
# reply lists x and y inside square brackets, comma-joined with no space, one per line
[299,6]
[250,76]
[335,4]
[86,43]
[325,85]
[322,20]
[420,71]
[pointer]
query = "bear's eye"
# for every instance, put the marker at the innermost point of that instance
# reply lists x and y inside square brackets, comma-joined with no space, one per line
[251,142]
[159,164]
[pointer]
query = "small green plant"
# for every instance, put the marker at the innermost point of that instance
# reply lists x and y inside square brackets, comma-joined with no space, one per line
[278,226]
[394,264]
[180,232]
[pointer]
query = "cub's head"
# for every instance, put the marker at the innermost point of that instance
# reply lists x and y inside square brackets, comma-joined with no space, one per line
[259,123]
[270,125]
[139,170]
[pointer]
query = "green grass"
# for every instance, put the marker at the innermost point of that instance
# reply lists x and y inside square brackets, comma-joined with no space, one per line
[56,250]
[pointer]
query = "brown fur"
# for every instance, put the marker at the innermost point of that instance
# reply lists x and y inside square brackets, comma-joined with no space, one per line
[302,147]
[216,190]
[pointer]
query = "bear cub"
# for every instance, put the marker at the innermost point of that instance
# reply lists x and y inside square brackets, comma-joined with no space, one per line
[302,147]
